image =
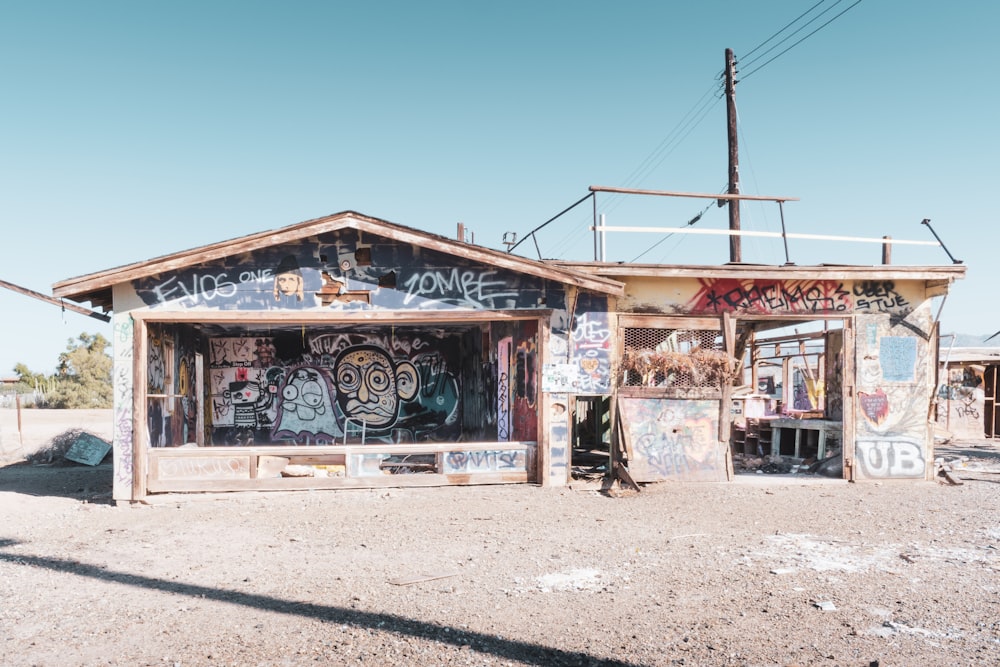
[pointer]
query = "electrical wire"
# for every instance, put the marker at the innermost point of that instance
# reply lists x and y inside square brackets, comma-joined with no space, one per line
[699,111]
[691,120]
[690,223]
[786,27]
[765,64]
[793,33]
[758,244]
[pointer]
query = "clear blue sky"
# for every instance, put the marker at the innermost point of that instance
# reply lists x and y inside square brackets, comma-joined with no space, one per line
[132,130]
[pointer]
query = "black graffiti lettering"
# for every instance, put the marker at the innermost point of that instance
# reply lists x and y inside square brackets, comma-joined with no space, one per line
[485,461]
[775,297]
[878,295]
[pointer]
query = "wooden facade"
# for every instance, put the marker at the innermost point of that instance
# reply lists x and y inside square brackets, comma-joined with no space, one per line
[967,393]
[348,351]
[875,374]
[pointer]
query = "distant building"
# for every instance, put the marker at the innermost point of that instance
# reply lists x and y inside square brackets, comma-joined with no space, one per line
[967,394]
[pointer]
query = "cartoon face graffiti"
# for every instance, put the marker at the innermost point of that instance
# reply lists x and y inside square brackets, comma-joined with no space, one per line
[306,406]
[246,398]
[288,279]
[370,386]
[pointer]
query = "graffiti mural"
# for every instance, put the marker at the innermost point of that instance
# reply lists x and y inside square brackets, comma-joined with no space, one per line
[896,457]
[672,439]
[767,297]
[792,297]
[504,348]
[306,410]
[878,296]
[124,334]
[525,390]
[334,387]
[874,406]
[591,352]
[895,362]
[469,288]
[486,461]
[337,272]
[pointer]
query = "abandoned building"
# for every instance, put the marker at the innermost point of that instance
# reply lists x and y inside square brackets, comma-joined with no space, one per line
[967,392]
[348,351]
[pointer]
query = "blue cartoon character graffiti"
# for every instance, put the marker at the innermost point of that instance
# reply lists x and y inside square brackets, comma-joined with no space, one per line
[306,406]
[370,387]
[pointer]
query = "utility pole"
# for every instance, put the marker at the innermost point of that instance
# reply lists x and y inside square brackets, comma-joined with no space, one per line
[735,250]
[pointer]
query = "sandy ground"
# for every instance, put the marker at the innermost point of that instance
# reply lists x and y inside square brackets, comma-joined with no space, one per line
[767,570]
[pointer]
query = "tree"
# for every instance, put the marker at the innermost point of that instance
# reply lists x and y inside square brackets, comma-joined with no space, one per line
[28,381]
[83,377]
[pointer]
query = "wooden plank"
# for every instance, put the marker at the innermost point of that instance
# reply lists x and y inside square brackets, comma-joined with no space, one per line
[696,195]
[204,468]
[623,477]
[669,322]
[849,400]
[308,317]
[300,483]
[55,302]
[199,380]
[140,433]
[335,450]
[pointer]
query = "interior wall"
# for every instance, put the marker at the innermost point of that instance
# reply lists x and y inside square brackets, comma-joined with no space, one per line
[324,386]
[172,398]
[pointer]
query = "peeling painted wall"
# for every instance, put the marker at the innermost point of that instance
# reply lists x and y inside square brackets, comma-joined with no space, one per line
[895,382]
[345,271]
[672,439]
[714,296]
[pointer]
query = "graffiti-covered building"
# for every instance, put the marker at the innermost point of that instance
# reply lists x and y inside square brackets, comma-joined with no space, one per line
[967,393]
[349,351]
[343,351]
[798,363]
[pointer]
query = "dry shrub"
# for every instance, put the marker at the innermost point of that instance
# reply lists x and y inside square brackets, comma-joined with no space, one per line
[55,450]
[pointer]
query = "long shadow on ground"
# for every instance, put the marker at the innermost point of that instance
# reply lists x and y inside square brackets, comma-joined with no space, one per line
[400,625]
[60,479]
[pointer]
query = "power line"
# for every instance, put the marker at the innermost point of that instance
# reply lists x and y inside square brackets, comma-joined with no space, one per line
[699,111]
[689,223]
[754,49]
[697,108]
[765,64]
[684,127]
[793,33]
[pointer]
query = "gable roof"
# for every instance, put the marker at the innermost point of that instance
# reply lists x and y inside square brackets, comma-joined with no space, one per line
[97,287]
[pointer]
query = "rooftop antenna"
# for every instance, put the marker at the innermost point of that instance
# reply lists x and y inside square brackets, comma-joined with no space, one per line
[510,240]
[465,234]
[927,221]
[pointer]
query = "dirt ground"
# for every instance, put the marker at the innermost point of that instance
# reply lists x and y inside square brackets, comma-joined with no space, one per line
[766,570]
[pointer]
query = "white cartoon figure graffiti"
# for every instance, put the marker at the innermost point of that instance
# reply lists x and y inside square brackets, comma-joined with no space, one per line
[306,406]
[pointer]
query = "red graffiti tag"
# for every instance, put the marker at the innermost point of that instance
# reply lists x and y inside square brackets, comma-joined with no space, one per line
[765,297]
